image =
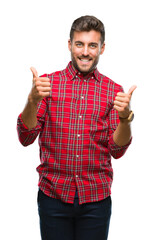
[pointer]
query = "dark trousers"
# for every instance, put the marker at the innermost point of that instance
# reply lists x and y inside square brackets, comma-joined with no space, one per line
[64,221]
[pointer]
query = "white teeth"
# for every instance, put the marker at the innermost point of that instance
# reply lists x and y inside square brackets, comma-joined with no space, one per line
[84,60]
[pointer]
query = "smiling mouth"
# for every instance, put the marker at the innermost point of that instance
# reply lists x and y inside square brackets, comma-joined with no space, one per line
[85,60]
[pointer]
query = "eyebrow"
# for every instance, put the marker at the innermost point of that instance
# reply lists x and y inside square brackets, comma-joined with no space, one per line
[95,43]
[78,42]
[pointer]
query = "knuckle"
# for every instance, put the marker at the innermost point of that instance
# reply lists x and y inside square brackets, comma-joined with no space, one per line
[37,83]
[37,89]
[124,105]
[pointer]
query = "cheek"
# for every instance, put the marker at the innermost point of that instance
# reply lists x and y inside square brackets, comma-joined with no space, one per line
[76,52]
[95,54]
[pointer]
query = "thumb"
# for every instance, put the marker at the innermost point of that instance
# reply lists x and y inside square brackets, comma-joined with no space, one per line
[131,90]
[34,72]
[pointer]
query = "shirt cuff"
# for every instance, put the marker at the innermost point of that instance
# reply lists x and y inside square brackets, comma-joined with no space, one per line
[23,127]
[114,146]
[117,151]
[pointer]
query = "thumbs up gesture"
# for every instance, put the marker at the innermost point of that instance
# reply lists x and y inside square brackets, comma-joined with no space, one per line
[41,87]
[122,102]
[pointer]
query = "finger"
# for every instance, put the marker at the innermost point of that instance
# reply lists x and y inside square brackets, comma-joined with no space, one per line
[43,89]
[44,94]
[43,79]
[34,72]
[38,82]
[131,90]
[118,108]
[121,94]
[120,104]
[124,98]
[42,84]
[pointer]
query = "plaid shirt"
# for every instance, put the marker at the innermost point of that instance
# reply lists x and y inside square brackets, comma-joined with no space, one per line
[75,126]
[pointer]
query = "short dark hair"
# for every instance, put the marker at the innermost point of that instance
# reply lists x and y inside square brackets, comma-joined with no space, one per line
[88,23]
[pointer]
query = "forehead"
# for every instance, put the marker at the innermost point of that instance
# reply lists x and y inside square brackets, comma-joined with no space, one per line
[91,36]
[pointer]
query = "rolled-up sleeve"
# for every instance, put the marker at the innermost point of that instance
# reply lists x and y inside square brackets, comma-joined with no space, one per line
[115,150]
[27,136]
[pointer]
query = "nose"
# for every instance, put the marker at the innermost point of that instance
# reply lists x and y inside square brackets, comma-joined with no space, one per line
[85,51]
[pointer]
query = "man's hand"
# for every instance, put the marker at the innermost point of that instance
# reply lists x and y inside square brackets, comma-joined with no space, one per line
[40,89]
[122,102]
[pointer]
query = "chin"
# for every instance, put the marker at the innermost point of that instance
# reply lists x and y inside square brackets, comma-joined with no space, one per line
[86,69]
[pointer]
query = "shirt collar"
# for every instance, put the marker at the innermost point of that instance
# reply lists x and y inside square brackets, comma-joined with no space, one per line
[72,72]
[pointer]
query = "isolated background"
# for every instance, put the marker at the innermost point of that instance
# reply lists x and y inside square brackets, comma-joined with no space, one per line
[35,33]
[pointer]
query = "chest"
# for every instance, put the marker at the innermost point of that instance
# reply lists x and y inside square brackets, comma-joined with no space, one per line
[90,99]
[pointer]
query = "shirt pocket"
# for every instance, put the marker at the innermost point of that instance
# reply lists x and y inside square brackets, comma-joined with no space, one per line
[62,105]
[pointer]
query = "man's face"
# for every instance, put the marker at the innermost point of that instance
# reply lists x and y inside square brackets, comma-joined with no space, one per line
[85,50]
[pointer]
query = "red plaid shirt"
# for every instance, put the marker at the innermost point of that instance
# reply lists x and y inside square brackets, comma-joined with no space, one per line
[75,126]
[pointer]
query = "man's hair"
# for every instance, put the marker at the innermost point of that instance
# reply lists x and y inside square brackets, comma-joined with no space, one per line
[88,23]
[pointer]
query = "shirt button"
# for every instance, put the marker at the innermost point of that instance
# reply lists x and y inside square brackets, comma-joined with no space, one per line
[92,77]
[85,80]
[80,116]
[79,135]
[76,176]
[78,156]
[82,97]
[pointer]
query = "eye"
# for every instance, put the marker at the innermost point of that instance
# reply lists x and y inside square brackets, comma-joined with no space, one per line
[92,45]
[79,44]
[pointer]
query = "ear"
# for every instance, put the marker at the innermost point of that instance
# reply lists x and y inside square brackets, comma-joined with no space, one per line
[102,48]
[69,44]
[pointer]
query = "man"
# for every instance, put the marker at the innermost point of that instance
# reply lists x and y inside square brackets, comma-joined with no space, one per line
[82,118]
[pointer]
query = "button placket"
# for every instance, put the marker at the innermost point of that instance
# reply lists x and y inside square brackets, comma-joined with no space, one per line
[80,115]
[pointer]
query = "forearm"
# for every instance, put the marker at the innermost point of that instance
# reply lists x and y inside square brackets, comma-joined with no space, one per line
[29,114]
[122,134]
[30,122]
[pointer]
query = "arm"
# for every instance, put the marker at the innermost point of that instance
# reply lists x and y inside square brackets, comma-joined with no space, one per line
[30,121]
[122,134]
[40,89]
[29,114]
[119,128]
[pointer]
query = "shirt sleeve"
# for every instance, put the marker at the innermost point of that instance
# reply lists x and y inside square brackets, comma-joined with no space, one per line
[27,136]
[115,150]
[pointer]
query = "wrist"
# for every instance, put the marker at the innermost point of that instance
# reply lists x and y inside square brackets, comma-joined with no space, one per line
[124,122]
[128,119]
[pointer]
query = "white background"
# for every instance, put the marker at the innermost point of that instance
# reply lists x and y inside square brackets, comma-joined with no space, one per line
[35,33]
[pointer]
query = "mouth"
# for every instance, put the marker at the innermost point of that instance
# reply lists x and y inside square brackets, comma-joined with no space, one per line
[85,60]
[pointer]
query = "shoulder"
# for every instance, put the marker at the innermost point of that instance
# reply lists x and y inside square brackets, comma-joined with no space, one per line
[110,84]
[55,75]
